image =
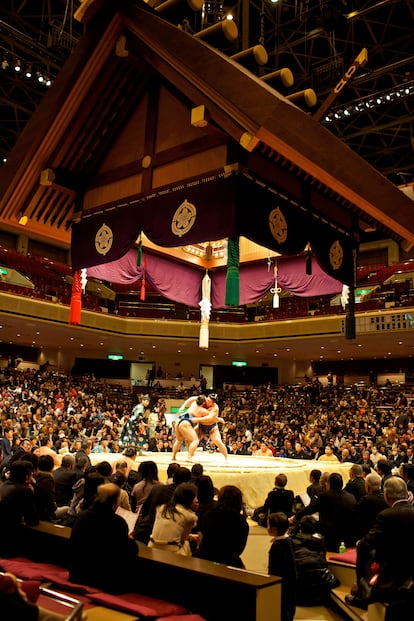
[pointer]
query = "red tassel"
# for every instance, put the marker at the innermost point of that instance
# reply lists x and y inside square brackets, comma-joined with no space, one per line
[76,300]
[142,294]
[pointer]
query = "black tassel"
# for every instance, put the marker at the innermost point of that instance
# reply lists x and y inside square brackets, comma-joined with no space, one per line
[309,262]
[350,328]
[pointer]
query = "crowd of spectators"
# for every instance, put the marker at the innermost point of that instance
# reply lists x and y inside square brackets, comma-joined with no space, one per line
[56,413]
[50,423]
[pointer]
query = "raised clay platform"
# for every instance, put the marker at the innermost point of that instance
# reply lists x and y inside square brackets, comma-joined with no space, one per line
[254,475]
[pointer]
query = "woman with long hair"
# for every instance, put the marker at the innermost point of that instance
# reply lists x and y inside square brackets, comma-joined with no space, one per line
[175,520]
[148,471]
[224,529]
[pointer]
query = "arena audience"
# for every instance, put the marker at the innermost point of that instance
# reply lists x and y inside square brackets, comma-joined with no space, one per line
[282,563]
[103,536]
[224,529]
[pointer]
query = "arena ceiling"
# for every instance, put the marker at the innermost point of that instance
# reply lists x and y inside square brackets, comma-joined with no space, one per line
[318,40]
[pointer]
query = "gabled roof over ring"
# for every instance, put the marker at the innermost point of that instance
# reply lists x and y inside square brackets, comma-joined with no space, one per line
[117,123]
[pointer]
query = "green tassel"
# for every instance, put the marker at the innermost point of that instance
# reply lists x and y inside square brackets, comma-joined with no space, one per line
[232,276]
[350,328]
[139,252]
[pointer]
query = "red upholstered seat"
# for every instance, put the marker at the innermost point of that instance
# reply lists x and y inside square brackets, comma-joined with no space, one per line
[61,580]
[135,603]
[348,557]
[181,618]
[26,569]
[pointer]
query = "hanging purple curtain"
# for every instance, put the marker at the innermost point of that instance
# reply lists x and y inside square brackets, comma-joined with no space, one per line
[181,282]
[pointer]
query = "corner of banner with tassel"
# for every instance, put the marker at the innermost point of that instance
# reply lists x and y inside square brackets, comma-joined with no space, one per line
[205,307]
[275,290]
[78,286]
[348,304]
[232,297]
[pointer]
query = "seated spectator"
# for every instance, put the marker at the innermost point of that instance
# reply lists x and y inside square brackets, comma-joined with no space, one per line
[224,529]
[102,447]
[119,479]
[15,603]
[300,452]
[315,488]
[159,495]
[102,536]
[148,471]
[407,473]
[44,489]
[384,469]
[329,455]
[278,500]
[336,514]
[368,507]
[356,483]
[264,451]
[84,451]
[175,520]
[205,494]
[282,563]
[390,545]
[16,507]
[65,478]
[46,448]
[314,579]
[197,471]
[366,459]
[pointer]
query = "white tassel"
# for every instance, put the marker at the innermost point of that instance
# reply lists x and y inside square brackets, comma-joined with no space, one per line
[276,290]
[84,279]
[205,307]
[344,295]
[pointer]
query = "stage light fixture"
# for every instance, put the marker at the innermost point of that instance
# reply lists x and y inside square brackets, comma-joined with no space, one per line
[17,66]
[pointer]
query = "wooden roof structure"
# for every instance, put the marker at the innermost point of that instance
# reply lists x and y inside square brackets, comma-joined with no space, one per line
[142,104]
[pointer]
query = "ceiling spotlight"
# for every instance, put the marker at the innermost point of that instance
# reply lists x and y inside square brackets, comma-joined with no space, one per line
[17,66]
[28,73]
[5,64]
[40,78]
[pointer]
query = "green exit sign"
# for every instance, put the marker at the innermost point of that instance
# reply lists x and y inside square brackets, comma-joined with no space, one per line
[3,271]
[239,363]
[115,357]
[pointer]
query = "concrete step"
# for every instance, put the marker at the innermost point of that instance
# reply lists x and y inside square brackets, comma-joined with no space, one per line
[375,612]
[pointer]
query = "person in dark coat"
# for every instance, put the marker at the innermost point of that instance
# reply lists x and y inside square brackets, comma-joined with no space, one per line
[65,478]
[407,473]
[336,514]
[314,579]
[282,562]
[44,489]
[368,507]
[16,508]
[99,542]
[224,529]
[356,483]
[279,500]
[390,544]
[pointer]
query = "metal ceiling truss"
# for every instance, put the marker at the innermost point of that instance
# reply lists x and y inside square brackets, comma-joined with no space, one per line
[316,39]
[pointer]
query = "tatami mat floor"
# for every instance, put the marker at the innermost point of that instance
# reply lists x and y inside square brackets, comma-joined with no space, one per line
[255,559]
